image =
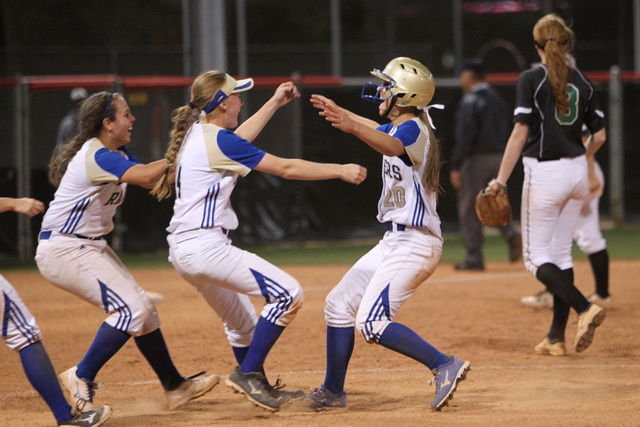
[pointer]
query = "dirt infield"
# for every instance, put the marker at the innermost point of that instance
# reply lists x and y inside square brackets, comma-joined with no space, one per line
[476,316]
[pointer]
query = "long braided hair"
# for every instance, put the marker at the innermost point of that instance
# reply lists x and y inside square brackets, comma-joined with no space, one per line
[203,89]
[93,111]
[553,35]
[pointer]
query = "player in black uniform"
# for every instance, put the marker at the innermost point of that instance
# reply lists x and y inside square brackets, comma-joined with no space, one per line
[553,101]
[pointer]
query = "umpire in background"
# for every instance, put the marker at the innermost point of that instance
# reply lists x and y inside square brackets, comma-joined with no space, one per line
[482,128]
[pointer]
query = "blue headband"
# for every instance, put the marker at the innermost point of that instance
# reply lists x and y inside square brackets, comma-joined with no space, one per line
[217,100]
[106,111]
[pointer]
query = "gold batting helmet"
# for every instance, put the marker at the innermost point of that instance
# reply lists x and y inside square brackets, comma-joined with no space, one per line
[410,82]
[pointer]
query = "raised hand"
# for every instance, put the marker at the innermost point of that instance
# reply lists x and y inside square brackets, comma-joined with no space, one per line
[333,113]
[285,93]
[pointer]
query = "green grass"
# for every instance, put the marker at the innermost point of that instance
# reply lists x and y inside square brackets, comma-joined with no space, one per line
[623,242]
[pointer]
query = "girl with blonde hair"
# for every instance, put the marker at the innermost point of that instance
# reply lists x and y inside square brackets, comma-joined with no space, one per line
[553,101]
[207,160]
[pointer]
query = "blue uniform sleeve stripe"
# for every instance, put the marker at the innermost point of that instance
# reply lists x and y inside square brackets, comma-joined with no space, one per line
[75,216]
[113,162]
[238,149]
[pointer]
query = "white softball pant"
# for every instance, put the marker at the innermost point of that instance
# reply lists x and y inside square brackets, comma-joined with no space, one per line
[588,235]
[17,324]
[91,270]
[552,197]
[227,277]
[375,288]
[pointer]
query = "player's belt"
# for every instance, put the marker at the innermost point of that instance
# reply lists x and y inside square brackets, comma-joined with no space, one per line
[46,235]
[392,226]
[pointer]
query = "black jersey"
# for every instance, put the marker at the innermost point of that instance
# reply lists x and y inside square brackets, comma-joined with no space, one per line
[552,134]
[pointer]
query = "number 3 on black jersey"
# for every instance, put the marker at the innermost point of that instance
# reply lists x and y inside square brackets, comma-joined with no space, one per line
[572,115]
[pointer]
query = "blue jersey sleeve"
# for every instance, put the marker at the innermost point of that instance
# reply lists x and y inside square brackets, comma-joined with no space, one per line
[408,132]
[239,149]
[113,163]
[385,128]
[129,154]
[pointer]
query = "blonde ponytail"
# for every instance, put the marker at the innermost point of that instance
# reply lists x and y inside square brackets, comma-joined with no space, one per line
[203,89]
[556,39]
[182,118]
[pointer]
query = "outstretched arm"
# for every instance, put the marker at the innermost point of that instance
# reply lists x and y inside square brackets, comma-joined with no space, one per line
[252,127]
[25,205]
[310,171]
[145,176]
[361,127]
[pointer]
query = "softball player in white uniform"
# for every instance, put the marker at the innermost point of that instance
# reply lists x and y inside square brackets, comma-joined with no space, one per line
[588,237]
[553,101]
[375,288]
[208,159]
[73,254]
[22,334]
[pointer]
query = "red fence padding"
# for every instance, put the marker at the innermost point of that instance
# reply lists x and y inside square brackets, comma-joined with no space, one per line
[97,81]
[105,81]
[8,82]
[156,82]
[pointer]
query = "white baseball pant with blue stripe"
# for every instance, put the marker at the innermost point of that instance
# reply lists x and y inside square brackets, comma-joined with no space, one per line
[91,270]
[228,276]
[17,325]
[374,289]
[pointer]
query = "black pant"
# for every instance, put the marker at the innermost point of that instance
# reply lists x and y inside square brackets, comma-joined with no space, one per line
[476,173]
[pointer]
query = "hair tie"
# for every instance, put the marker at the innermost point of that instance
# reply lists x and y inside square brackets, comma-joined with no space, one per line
[192,105]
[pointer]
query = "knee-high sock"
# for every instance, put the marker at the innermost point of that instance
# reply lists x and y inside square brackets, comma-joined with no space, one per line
[264,337]
[240,353]
[154,349]
[600,266]
[340,342]
[107,342]
[558,284]
[560,313]
[398,337]
[43,378]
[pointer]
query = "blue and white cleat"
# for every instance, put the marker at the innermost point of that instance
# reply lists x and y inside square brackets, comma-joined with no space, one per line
[447,378]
